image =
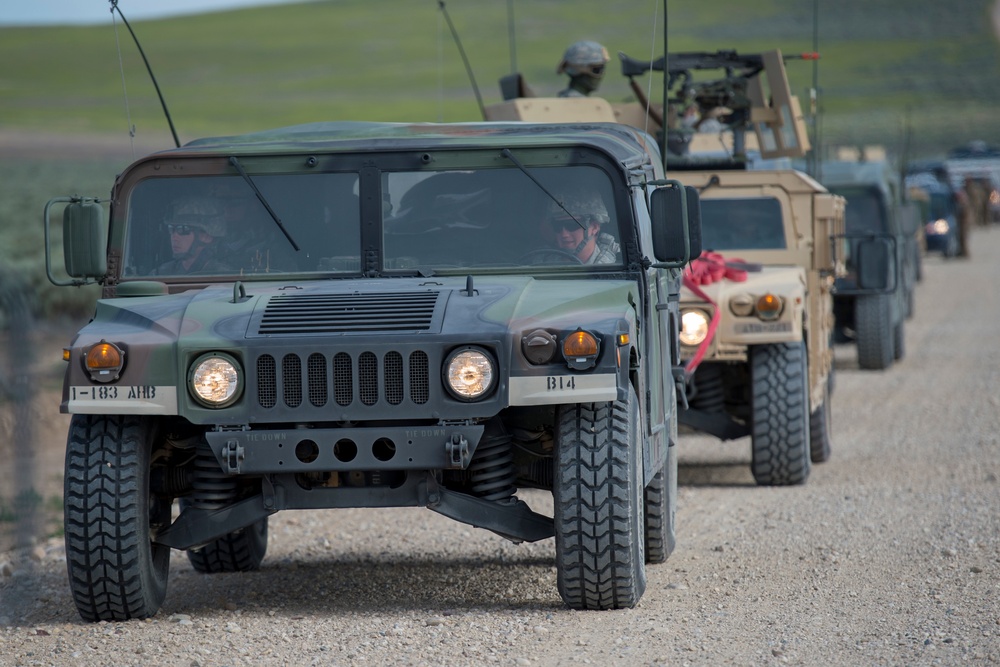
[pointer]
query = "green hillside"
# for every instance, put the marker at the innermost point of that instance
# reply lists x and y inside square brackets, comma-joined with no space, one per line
[934,63]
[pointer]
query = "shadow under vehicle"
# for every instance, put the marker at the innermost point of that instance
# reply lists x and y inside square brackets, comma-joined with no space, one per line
[874,299]
[397,335]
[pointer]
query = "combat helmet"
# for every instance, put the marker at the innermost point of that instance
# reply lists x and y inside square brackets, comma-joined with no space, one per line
[201,212]
[584,204]
[584,58]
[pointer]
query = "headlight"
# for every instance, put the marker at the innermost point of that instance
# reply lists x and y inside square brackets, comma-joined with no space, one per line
[939,226]
[104,362]
[694,327]
[468,373]
[769,307]
[215,380]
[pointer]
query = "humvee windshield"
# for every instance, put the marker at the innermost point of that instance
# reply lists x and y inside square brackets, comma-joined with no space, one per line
[942,205]
[865,212]
[429,221]
[752,223]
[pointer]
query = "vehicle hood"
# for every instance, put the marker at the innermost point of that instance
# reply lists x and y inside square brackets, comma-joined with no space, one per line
[219,316]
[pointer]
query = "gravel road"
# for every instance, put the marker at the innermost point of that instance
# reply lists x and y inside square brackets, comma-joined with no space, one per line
[889,555]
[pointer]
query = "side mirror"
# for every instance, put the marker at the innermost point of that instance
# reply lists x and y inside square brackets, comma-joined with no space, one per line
[676,220]
[874,263]
[84,241]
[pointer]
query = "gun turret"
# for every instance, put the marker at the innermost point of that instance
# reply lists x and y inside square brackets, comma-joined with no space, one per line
[738,100]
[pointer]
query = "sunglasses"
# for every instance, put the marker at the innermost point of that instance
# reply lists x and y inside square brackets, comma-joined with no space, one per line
[180,230]
[566,224]
[596,70]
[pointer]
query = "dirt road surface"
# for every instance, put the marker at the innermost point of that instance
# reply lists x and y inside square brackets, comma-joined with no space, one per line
[889,555]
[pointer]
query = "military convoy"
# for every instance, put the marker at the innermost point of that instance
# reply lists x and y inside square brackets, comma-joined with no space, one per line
[385,322]
[375,315]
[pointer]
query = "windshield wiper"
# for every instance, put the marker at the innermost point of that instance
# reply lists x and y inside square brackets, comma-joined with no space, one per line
[524,170]
[260,196]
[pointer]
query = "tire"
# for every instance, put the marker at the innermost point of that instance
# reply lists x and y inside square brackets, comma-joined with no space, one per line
[872,319]
[899,341]
[240,551]
[780,414]
[115,572]
[819,429]
[599,498]
[661,511]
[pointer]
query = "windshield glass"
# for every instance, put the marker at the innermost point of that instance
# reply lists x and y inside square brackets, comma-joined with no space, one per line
[941,205]
[430,220]
[752,223]
[864,212]
[214,225]
[499,217]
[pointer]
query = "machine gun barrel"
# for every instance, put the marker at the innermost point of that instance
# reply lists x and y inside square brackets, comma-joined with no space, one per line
[703,60]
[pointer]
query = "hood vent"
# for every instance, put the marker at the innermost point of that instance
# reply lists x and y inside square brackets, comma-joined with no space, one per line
[290,314]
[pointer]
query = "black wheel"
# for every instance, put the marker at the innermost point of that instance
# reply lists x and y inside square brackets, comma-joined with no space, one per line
[780,414]
[872,319]
[899,341]
[115,572]
[819,427]
[548,256]
[239,551]
[661,510]
[598,495]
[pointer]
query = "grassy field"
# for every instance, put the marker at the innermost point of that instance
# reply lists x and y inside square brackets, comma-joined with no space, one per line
[934,63]
[884,65]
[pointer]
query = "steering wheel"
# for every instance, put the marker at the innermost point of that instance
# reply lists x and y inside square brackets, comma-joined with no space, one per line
[553,255]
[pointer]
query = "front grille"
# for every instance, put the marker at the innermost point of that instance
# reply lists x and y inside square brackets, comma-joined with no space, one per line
[316,314]
[394,378]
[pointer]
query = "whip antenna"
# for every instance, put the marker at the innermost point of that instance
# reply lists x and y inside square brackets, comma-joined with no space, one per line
[166,112]
[461,51]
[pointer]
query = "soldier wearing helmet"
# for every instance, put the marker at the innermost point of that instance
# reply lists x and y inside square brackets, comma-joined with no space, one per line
[573,226]
[584,62]
[194,226]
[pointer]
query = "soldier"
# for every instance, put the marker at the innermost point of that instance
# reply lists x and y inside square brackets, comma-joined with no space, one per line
[584,62]
[580,234]
[195,225]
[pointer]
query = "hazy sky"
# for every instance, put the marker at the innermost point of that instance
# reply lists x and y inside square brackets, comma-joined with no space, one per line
[49,12]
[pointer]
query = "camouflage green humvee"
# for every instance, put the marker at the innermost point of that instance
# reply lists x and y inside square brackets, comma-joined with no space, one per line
[380,321]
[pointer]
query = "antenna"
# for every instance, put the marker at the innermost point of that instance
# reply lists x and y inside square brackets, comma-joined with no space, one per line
[461,51]
[510,36]
[170,122]
[666,79]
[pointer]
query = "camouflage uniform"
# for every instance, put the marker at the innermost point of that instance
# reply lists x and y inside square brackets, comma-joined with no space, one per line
[584,63]
[606,252]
